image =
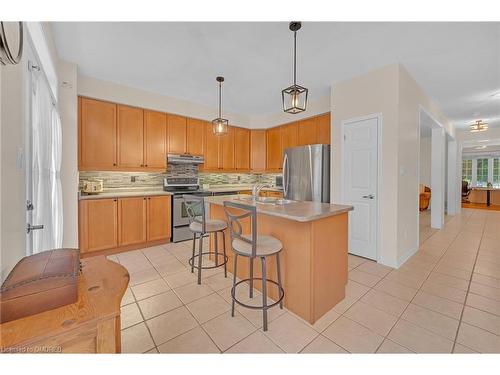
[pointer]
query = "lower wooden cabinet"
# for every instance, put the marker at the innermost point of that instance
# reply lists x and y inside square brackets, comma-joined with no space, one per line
[123,223]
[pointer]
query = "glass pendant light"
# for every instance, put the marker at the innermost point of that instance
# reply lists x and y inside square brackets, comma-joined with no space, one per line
[219,125]
[294,97]
[478,126]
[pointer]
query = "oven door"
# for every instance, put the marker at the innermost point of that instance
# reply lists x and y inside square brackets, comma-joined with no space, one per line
[180,214]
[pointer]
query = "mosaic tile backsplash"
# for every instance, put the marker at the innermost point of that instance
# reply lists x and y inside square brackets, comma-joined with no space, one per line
[145,180]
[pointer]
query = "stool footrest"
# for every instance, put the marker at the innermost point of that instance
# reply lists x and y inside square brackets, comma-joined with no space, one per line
[190,261]
[260,307]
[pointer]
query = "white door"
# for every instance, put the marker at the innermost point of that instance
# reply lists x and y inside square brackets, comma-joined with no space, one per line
[360,173]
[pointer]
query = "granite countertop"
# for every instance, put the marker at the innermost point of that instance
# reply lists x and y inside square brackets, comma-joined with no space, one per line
[238,187]
[296,210]
[123,193]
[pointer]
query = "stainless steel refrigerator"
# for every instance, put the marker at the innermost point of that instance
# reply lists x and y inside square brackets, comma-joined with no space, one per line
[306,173]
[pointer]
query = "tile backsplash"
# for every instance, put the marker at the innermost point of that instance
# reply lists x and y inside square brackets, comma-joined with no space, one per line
[145,180]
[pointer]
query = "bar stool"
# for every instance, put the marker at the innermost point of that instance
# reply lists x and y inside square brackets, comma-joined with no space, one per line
[199,225]
[253,246]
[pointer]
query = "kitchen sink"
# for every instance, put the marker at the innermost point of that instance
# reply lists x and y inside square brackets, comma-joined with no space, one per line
[264,200]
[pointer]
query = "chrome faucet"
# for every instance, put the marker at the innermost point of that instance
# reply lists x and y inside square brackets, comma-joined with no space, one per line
[257,188]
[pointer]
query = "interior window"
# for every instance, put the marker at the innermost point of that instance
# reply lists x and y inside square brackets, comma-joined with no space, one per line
[467,170]
[482,172]
[496,172]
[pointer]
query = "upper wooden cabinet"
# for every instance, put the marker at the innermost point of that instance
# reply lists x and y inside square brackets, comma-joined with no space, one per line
[195,136]
[289,135]
[177,134]
[274,149]
[97,135]
[227,149]
[324,128]
[258,150]
[155,140]
[308,131]
[130,137]
[211,148]
[242,149]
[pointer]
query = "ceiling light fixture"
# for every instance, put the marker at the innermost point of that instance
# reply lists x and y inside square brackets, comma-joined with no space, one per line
[481,147]
[219,125]
[294,97]
[478,126]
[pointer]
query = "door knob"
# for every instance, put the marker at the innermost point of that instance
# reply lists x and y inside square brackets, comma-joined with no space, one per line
[30,227]
[370,196]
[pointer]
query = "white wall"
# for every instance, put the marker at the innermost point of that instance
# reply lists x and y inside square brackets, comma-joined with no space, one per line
[425,161]
[68,109]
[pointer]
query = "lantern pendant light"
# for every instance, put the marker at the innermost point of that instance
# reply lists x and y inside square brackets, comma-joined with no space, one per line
[294,97]
[219,125]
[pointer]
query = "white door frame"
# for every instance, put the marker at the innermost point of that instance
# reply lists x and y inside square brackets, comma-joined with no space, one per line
[344,123]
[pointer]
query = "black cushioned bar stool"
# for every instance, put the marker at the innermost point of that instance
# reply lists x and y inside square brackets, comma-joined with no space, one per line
[200,226]
[252,246]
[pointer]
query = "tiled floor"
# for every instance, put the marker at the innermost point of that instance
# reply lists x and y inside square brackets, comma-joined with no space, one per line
[446,298]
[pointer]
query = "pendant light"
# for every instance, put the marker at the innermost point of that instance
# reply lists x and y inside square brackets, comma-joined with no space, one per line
[294,97]
[478,126]
[219,125]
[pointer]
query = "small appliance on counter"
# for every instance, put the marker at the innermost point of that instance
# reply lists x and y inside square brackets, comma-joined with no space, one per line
[278,182]
[93,186]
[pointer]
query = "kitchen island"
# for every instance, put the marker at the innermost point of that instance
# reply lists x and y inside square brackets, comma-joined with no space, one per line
[314,256]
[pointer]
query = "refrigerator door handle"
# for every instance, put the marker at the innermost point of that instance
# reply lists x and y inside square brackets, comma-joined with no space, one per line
[286,176]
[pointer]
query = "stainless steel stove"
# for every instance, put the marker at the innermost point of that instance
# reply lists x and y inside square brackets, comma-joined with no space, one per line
[180,219]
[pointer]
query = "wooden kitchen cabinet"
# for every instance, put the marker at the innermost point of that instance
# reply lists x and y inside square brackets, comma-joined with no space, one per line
[241,149]
[289,135]
[211,149]
[258,150]
[97,135]
[159,218]
[195,136]
[324,129]
[131,221]
[274,149]
[177,126]
[308,131]
[130,137]
[227,149]
[98,224]
[155,140]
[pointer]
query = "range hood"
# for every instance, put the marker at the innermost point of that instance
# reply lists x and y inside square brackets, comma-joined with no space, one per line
[184,159]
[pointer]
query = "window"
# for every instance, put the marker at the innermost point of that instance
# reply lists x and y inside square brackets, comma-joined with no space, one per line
[482,172]
[496,172]
[467,170]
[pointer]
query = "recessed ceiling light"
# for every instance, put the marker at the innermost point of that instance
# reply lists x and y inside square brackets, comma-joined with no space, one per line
[481,147]
[496,95]
[484,140]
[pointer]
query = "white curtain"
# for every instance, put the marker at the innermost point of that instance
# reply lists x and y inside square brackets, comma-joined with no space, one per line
[46,167]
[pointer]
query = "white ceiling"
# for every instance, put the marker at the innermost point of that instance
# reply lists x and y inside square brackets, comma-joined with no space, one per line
[457,64]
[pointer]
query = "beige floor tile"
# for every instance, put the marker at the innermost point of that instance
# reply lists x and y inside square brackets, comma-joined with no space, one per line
[407,278]
[208,307]
[432,321]
[355,290]
[483,303]
[149,289]
[136,339]
[448,280]
[128,297]
[218,281]
[226,330]
[290,334]
[242,293]
[478,339]
[355,261]
[364,278]
[462,349]
[419,339]
[171,324]
[135,266]
[485,291]
[481,319]
[130,315]
[191,292]
[143,276]
[327,319]
[376,320]
[159,304]
[444,291]
[438,304]
[344,305]
[323,345]
[390,347]
[170,268]
[352,336]
[396,290]
[257,342]
[152,351]
[182,278]
[193,341]
[452,271]
[375,268]
[385,302]
[486,280]
[255,316]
